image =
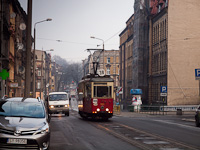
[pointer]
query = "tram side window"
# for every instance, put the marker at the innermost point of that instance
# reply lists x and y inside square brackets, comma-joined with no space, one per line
[102,91]
[88,90]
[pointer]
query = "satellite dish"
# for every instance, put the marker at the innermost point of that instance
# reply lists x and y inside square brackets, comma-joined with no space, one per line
[20,46]
[21,69]
[22,26]
[13,15]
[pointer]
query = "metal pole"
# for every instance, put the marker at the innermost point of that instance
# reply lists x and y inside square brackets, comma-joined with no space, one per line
[28,51]
[199,90]
[34,65]
[103,57]
[163,105]
[34,94]
[41,84]
[1,84]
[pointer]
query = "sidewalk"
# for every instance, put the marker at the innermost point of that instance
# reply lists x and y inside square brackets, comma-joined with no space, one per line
[189,116]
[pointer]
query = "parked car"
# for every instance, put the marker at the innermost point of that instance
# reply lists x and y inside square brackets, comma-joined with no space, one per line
[24,124]
[197,117]
[58,102]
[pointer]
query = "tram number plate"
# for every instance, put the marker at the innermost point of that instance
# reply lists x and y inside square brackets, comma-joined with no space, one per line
[102,104]
[17,141]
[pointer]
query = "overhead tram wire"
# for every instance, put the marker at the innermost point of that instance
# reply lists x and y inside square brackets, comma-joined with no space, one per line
[79,42]
[111,37]
[64,41]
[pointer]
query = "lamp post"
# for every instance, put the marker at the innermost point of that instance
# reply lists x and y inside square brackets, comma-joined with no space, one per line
[48,19]
[41,84]
[103,46]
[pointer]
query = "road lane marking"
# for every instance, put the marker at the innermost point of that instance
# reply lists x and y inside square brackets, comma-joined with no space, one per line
[134,143]
[190,120]
[177,124]
[160,137]
[155,142]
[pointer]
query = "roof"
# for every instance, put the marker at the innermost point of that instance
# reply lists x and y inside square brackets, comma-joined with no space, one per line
[94,78]
[21,99]
[57,93]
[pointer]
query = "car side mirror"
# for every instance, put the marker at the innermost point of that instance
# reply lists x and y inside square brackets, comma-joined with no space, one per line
[49,118]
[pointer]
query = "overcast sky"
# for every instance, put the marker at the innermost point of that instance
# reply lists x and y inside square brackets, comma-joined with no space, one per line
[75,21]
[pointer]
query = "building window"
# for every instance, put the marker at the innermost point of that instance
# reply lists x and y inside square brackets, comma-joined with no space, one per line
[108,71]
[38,85]
[108,60]
[39,72]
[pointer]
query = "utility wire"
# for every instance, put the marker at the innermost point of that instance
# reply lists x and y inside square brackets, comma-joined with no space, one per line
[64,41]
[79,42]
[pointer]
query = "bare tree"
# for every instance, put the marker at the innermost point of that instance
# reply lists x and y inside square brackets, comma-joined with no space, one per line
[70,71]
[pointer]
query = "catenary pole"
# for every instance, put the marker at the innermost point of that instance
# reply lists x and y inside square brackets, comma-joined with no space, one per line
[28,51]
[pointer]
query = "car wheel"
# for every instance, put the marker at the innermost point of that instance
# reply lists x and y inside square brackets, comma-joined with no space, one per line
[67,114]
[197,122]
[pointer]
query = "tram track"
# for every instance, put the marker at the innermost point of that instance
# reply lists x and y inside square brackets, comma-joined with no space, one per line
[141,139]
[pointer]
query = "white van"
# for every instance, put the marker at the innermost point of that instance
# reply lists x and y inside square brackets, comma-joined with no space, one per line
[58,103]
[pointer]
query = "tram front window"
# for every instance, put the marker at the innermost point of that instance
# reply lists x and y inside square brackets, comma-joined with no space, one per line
[102,91]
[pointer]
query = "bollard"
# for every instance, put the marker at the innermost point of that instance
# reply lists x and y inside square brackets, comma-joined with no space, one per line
[179,112]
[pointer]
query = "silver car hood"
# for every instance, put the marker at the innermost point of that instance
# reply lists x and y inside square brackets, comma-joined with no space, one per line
[21,123]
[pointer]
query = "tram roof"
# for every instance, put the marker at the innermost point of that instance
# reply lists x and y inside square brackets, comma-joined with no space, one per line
[92,78]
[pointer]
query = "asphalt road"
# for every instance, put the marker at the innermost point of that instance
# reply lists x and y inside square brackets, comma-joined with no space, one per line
[74,133]
[175,129]
[125,131]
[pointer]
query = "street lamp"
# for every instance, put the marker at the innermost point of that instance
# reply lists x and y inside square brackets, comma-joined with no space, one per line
[48,19]
[103,46]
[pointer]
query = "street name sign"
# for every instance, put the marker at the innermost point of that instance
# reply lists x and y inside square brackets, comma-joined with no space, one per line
[163,94]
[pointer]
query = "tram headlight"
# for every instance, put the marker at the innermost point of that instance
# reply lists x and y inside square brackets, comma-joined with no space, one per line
[98,109]
[107,109]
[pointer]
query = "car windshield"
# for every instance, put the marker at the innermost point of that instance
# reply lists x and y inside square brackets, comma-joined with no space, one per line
[56,97]
[21,109]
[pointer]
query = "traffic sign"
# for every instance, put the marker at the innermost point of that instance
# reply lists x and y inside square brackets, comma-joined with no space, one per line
[163,89]
[163,94]
[101,72]
[197,74]
[120,90]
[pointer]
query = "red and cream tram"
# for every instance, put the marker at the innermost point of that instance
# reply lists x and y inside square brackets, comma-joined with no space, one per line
[96,96]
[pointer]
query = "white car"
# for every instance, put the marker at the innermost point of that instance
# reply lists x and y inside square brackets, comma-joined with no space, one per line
[58,102]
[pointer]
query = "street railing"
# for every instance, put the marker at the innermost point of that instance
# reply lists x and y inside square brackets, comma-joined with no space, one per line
[158,110]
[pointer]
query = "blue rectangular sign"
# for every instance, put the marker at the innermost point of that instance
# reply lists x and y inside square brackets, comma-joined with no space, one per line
[136,91]
[197,74]
[163,89]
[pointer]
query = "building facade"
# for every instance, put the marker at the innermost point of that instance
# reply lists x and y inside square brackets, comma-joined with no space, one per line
[126,59]
[13,44]
[108,62]
[158,45]
[44,83]
[174,51]
[140,48]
